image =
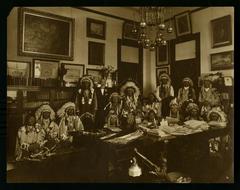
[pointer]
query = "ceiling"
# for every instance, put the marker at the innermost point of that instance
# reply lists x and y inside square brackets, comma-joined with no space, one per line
[128,12]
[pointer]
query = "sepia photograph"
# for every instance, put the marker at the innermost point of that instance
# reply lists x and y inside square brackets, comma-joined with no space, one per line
[109,95]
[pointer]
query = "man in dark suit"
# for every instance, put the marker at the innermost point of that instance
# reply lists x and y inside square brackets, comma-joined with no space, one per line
[103,94]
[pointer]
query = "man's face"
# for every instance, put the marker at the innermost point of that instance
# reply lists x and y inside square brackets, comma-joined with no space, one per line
[46,115]
[86,84]
[130,91]
[151,116]
[207,84]
[115,99]
[164,80]
[194,112]
[186,84]
[70,111]
[214,117]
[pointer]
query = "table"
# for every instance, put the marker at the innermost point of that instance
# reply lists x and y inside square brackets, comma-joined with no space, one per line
[99,161]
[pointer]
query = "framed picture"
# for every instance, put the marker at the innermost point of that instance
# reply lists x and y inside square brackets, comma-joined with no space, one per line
[45,69]
[228,81]
[45,35]
[161,70]
[96,75]
[222,61]
[221,31]
[96,53]
[18,72]
[127,31]
[162,55]
[71,74]
[183,24]
[96,28]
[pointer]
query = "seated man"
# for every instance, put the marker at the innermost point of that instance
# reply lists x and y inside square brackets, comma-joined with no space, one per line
[69,121]
[45,117]
[216,117]
[152,119]
[192,112]
[174,116]
[29,139]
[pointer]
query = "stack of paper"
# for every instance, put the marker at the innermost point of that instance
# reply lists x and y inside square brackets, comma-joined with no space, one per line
[126,138]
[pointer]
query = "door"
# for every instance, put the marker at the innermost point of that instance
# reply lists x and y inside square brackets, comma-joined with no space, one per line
[185,60]
[130,62]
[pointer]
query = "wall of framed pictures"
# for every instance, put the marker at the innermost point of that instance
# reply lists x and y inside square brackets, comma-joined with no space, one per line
[98,27]
[208,22]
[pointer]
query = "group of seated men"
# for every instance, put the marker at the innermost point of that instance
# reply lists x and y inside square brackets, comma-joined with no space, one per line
[122,108]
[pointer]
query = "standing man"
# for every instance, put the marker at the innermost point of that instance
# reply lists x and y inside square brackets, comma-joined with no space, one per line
[102,94]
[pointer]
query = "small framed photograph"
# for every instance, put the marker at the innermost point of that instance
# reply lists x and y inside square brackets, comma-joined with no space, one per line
[96,53]
[183,24]
[45,35]
[96,75]
[18,72]
[162,55]
[127,33]
[221,31]
[96,28]
[161,70]
[228,81]
[71,73]
[45,69]
[222,61]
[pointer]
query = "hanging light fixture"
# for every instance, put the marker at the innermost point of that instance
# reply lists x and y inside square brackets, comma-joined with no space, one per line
[151,27]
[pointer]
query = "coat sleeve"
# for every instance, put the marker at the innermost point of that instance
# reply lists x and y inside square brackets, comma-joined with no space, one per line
[171,91]
[156,92]
[79,125]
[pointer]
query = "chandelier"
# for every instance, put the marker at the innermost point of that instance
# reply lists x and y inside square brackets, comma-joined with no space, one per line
[151,27]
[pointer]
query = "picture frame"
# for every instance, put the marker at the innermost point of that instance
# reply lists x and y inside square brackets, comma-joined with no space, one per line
[183,24]
[18,72]
[45,69]
[221,31]
[162,55]
[71,73]
[96,53]
[228,81]
[45,35]
[222,60]
[161,70]
[127,33]
[96,74]
[96,29]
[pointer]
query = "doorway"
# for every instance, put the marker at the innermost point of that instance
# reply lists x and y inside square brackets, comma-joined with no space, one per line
[130,62]
[185,60]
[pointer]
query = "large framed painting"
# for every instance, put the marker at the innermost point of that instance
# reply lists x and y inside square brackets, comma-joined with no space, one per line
[162,55]
[96,28]
[161,70]
[127,32]
[96,53]
[18,72]
[45,35]
[221,31]
[183,24]
[71,74]
[222,61]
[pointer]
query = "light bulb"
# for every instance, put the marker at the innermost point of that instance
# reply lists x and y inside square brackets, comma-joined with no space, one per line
[143,24]
[161,26]
[170,29]
[164,42]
